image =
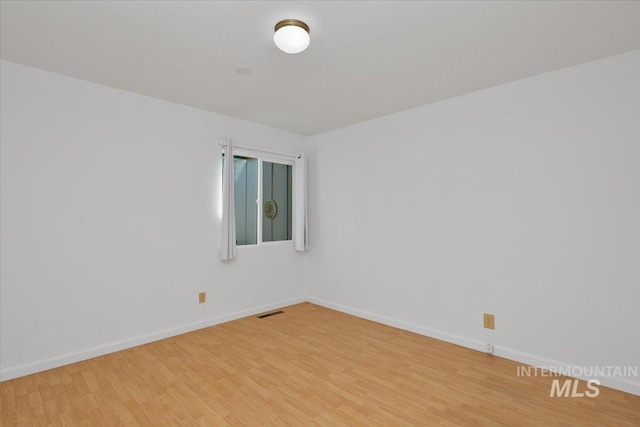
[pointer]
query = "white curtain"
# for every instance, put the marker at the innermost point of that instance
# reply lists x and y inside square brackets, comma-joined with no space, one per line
[300,231]
[228,248]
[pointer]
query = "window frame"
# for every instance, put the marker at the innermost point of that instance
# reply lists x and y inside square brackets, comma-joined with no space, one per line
[264,156]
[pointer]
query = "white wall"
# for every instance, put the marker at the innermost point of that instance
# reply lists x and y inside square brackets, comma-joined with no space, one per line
[110,222]
[521,200]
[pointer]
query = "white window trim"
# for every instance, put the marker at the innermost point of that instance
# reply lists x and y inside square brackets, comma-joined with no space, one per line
[284,158]
[266,244]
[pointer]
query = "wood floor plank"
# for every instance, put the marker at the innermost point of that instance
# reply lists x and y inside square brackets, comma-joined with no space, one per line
[308,366]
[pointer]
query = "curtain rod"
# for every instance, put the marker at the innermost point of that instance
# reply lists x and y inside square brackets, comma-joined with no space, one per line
[244,147]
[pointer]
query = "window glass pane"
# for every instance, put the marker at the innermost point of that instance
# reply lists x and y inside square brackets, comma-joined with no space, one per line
[246,195]
[276,202]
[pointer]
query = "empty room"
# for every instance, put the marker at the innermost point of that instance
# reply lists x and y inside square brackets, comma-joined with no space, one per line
[320,213]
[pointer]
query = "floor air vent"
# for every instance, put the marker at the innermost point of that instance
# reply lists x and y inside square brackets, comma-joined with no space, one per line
[270,314]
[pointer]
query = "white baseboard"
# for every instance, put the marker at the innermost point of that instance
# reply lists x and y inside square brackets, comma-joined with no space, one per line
[66,359]
[622,384]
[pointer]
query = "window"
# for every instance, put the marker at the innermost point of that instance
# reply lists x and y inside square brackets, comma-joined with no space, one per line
[276,196]
[263,199]
[246,196]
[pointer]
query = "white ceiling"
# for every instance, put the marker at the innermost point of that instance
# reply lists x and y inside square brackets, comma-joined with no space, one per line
[366,59]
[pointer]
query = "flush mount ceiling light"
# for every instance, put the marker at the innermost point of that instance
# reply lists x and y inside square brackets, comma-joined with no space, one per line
[292,36]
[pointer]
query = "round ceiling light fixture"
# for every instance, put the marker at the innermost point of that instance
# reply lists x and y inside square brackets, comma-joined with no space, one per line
[292,36]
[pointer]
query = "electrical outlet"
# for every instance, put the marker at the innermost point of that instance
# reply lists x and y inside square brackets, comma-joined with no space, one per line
[489,348]
[202,297]
[489,321]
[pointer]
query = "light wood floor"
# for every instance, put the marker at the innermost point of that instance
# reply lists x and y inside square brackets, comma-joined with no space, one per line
[308,366]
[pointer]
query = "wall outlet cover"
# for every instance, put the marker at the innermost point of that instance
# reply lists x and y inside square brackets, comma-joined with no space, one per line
[489,321]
